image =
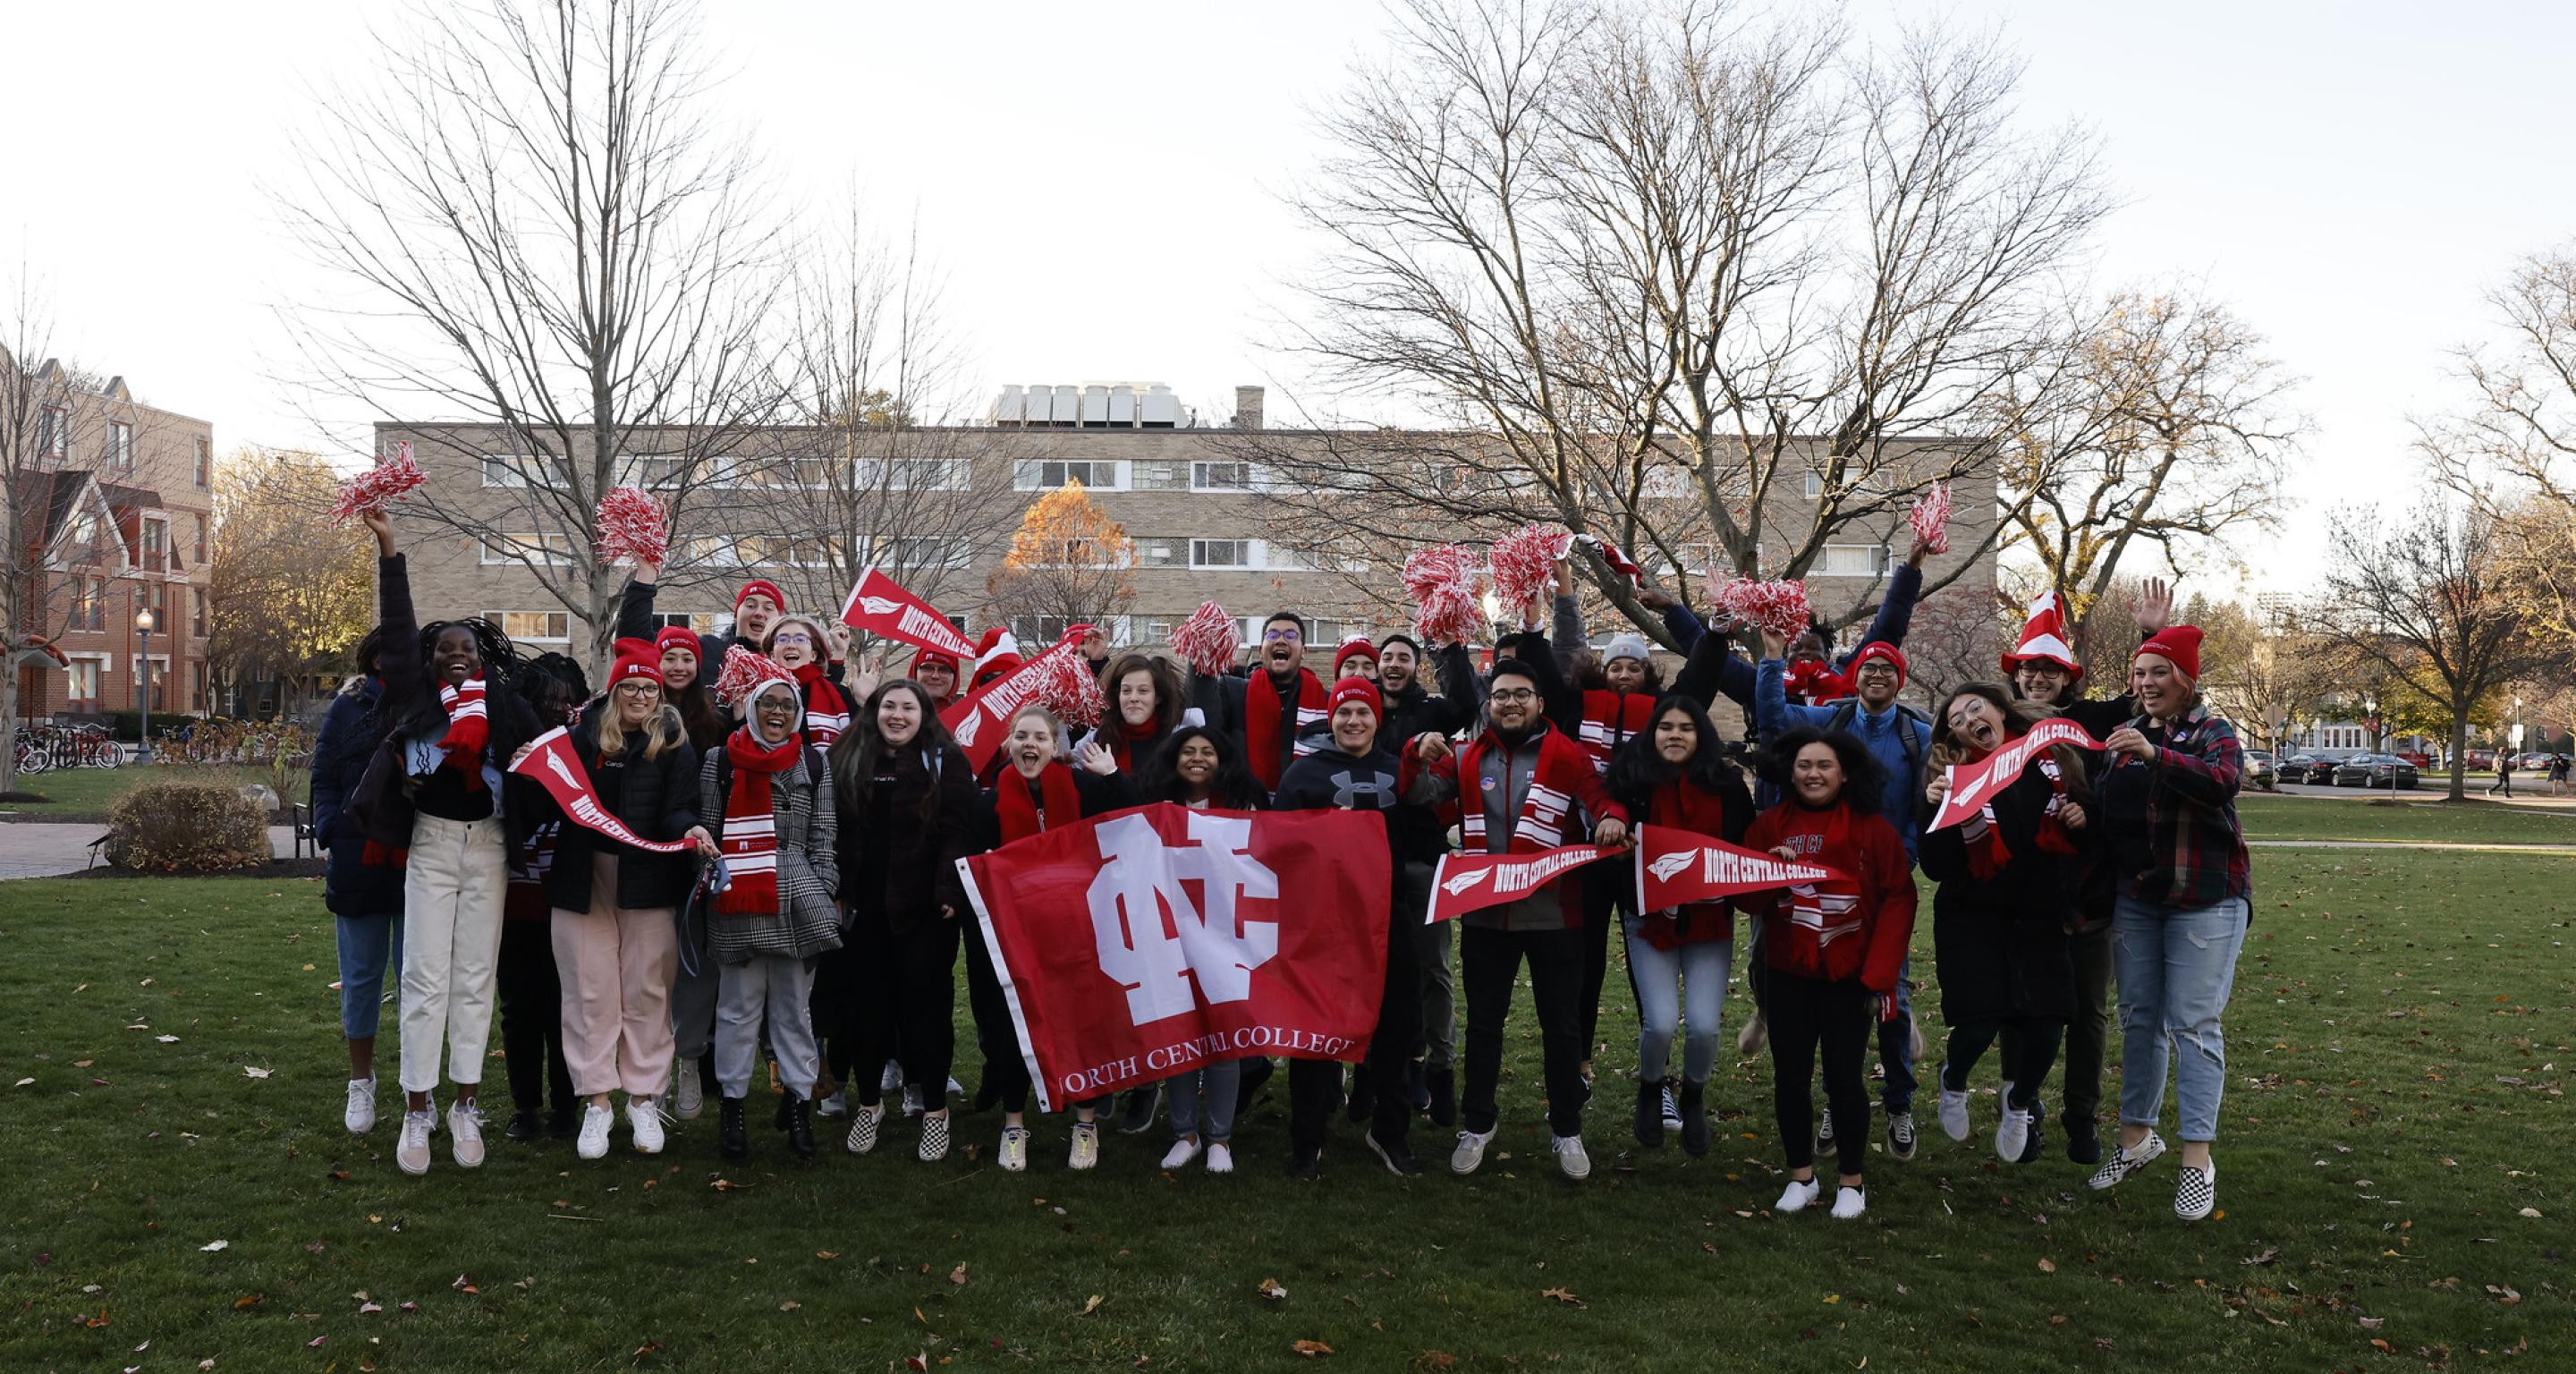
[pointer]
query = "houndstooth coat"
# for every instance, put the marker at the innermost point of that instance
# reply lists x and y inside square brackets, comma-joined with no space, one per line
[809,877]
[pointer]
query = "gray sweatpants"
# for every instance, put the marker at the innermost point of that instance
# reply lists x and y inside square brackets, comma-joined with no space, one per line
[766,983]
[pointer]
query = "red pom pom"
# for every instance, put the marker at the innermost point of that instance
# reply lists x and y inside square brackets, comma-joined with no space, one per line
[1524,560]
[1448,596]
[1780,607]
[1207,640]
[1067,686]
[743,674]
[634,527]
[1931,518]
[379,486]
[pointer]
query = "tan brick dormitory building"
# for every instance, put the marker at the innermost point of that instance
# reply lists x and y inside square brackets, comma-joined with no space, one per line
[118,498]
[1195,509]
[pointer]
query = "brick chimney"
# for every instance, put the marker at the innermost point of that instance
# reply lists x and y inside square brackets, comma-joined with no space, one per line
[1247,407]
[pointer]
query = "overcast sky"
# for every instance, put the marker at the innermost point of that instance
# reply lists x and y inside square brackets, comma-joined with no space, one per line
[1103,180]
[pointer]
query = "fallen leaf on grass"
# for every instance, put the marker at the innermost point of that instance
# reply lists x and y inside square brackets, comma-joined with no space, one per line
[790,1305]
[1311,1349]
[369,1308]
[2270,1253]
[254,1071]
[1269,1288]
[247,1301]
[315,1343]
[958,1276]
[213,1245]
[1092,1306]
[83,1063]
[2531,1212]
[2048,1266]
[23,1082]
[167,1039]
[2373,1323]
[1563,1296]
[827,1254]
[1435,1360]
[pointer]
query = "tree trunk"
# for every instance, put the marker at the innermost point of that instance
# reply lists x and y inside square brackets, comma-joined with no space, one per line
[2459,756]
[8,713]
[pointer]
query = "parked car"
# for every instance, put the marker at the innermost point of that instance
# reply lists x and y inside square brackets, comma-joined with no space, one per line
[2260,770]
[2375,770]
[2527,763]
[2320,770]
[2479,760]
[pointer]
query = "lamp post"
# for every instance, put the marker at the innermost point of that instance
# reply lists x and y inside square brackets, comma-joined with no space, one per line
[143,686]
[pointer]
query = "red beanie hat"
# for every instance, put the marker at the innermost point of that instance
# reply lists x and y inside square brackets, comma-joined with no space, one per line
[925,657]
[679,637]
[760,587]
[635,658]
[1357,646]
[1357,689]
[2178,643]
[1878,648]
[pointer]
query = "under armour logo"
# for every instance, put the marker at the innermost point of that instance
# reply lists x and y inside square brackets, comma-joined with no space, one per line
[1348,790]
[1153,940]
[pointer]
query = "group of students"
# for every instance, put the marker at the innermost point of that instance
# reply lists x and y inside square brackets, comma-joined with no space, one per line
[839,807]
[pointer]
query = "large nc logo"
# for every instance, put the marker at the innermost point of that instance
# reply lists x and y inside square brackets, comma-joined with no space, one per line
[1153,939]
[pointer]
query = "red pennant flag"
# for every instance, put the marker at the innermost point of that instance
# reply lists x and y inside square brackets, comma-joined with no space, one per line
[1471,882]
[553,764]
[1678,867]
[1144,943]
[879,605]
[978,721]
[1972,785]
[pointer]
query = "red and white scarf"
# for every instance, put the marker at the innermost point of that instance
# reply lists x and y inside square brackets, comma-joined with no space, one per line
[1988,854]
[1610,719]
[751,824]
[827,709]
[469,728]
[1058,802]
[1262,726]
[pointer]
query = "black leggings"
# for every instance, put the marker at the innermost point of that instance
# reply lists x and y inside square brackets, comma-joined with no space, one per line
[532,1017]
[908,1009]
[2029,1052]
[995,1037]
[1806,1012]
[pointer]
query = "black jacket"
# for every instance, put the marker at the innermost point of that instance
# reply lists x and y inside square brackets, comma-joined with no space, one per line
[1330,780]
[899,865]
[350,734]
[658,800]
[2001,941]
[380,807]
[1415,710]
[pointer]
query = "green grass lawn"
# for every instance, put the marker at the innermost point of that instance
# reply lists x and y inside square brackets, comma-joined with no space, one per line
[87,793]
[2394,1104]
[2274,817]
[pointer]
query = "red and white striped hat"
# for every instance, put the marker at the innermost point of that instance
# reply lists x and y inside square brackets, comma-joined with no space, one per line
[2043,636]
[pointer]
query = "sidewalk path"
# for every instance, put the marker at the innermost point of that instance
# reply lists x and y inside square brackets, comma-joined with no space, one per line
[47,849]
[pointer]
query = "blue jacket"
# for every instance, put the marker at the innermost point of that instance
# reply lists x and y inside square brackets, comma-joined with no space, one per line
[1897,737]
[350,734]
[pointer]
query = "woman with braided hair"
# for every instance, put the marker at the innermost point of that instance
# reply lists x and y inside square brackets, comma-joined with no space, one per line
[434,803]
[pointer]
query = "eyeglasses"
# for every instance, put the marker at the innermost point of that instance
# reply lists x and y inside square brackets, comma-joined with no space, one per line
[1512,694]
[1280,636]
[639,689]
[806,640]
[772,706]
[1877,665]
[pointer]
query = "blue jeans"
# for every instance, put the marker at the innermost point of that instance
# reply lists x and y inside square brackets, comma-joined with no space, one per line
[369,945]
[1676,988]
[1212,1087]
[1896,1046]
[2176,966]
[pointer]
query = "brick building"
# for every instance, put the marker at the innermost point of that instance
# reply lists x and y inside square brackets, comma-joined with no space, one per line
[115,499]
[1197,510]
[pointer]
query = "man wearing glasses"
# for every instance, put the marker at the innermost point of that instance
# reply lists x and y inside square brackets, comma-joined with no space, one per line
[1271,710]
[1519,787]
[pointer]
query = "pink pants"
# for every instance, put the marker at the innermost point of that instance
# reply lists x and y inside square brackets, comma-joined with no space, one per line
[616,965]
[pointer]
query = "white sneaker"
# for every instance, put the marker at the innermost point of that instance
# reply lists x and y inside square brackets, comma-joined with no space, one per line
[593,1141]
[465,1136]
[688,1098]
[838,1104]
[1850,1203]
[1954,1114]
[1086,1145]
[1797,1197]
[1570,1158]
[412,1152]
[1470,1152]
[864,1122]
[2197,1193]
[2127,1160]
[955,1089]
[360,1115]
[2012,1136]
[892,1079]
[1181,1153]
[645,1120]
[934,1139]
[1015,1149]
[1220,1158]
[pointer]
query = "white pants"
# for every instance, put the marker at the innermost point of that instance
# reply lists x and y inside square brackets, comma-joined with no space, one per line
[452,890]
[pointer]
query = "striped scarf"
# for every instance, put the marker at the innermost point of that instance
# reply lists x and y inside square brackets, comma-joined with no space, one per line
[827,710]
[751,824]
[469,728]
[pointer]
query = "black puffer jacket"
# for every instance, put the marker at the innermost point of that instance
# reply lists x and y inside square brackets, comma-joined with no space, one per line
[351,732]
[656,798]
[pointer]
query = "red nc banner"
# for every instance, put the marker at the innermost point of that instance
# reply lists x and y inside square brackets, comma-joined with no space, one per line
[1143,943]
[1471,882]
[978,722]
[553,764]
[1679,867]
[1972,785]
[880,606]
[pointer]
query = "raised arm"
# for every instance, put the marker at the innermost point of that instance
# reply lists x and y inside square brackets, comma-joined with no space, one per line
[635,609]
[1895,610]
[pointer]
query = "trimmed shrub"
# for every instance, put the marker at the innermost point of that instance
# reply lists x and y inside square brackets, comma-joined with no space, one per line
[186,828]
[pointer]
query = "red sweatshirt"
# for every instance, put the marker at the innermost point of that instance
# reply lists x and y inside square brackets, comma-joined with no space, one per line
[1857,928]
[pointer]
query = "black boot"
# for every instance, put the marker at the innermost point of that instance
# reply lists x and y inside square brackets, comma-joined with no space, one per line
[2083,1143]
[1363,1104]
[800,1127]
[733,1138]
[1694,1119]
[1650,1113]
[1306,1163]
[1444,1098]
[524,1126]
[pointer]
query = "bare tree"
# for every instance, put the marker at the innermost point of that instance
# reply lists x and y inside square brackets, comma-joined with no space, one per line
[1721,289]
[542,232]
[2266,674]
[1956,638]
[2165,426]
[2423,603]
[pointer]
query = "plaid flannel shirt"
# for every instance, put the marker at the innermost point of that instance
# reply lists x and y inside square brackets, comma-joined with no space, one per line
[2186,800]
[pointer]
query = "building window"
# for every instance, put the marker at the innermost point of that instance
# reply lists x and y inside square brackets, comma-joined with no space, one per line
[1162,553]
[1852,560]
[916,474]
[1162,476]
[1815,484]
[156,545]
[1038,632]
[120,446]
[89,603]
[653,472]
[922,552]
[197,685]
[1221,476]
[201,541]
[54,433]
[702,622]
[197,611]
[80,684]
[503,470]
[205,472]
[537,627]
[1221,553]
[1036,474]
